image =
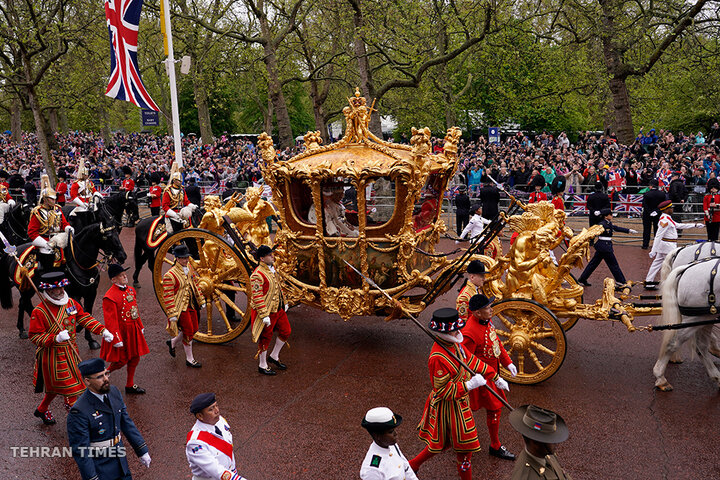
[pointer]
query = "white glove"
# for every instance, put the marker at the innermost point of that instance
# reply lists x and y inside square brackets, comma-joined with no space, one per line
[11,203]
[63,336]
[118,345]
[266,321]
[145,460]
[173,215]
[287,307]
[596,213]
[69,230]
[142,330]
[699,225]
[513,369]
[97,195]
[502,384]
[40,242]
[193,207]
[172,319]
[107,336]
[633,231]
[476,381]
[653,214]
[457,242]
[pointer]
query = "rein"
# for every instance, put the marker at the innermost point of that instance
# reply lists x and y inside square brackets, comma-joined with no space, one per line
[77,262]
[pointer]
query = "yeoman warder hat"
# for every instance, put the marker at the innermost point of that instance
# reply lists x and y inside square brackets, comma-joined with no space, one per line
[380,419]
[116,269]
[52,280]
[446,320]
[539,424]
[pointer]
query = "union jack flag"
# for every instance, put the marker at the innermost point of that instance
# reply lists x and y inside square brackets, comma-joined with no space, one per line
[579,204]
[213,189]
[629,204]
[123,19]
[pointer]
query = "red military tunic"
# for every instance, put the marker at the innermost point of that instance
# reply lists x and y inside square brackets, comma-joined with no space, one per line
[84,191]
[156,194]
[558,202]
[176,201]
[44,222]
[56,364]
[128,185]
[707,200]
[482,341]
[537,197]
[267,301]
[463,301]
[447,420]
[61,189]
[122,319]
[5,192]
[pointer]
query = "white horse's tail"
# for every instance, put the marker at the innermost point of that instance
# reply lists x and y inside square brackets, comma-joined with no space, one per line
[667,265]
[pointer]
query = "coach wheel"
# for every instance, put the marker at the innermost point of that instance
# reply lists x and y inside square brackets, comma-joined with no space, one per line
[532,337]
[221,274]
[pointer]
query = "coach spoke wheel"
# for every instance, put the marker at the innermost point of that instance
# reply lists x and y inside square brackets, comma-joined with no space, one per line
[223,282]
[533,338]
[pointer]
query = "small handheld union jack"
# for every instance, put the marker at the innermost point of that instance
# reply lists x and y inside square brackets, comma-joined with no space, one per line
[123,19]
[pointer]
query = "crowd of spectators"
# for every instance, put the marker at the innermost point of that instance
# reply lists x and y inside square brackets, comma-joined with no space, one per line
[593,157]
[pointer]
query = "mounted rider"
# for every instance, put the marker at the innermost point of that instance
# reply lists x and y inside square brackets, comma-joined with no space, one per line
[174,199]
[6,200]
[128,188]
[48,229]
[82,192]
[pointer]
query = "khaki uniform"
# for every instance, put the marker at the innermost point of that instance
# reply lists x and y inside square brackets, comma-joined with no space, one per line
[528,467]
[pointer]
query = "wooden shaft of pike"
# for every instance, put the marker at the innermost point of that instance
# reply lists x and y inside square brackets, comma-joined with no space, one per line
[429,333]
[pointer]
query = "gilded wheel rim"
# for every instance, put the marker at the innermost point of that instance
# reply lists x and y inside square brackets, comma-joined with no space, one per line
[221,275]
[533,339]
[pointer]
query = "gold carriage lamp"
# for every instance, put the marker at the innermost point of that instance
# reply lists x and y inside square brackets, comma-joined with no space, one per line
[364,200]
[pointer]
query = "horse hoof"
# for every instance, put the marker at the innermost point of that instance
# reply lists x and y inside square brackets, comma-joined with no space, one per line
[676,361]
[23,334]
[665,387]
[93,345]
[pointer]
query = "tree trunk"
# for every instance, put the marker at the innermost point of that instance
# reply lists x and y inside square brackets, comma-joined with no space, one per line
[203,110]
[268,117]
[282,116]
[53,120]
[16,120]
[366,82]
[63,122]
[40,131]
[318,110]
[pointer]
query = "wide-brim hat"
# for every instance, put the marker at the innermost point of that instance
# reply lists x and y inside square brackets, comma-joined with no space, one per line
[476,267]
[665,205]
[539,424]
[116,269]
[380,419]
[181,251]
[446,320]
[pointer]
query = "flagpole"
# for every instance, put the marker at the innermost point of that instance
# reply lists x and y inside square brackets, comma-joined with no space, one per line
[170,64]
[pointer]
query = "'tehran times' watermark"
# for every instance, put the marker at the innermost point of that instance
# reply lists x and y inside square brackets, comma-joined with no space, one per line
[59,452]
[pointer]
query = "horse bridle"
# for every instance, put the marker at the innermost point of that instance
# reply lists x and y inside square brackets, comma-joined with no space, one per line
[710,308]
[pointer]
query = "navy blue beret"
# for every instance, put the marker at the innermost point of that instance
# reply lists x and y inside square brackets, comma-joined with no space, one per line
[201,402]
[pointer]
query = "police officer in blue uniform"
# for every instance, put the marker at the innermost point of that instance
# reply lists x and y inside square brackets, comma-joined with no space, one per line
[604,250]
[94,425]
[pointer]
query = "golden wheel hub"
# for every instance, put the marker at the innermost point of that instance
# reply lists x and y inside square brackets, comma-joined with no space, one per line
[519,340]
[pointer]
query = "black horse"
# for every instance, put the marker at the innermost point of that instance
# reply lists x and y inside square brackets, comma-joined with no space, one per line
[146,253]
[14,228]
[81,266]
[109,210]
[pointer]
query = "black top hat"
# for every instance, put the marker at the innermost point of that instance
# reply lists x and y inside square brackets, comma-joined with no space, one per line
[262,251]
[476,266]
[91,366]
[379,419]
[478,301]
[558,185]
[539,424]
[605,212]
[181,251]
[446,320]
[51,280]
[201,402]
[116,269]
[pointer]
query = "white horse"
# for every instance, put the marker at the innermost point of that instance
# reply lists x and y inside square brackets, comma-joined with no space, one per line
[689,286]
[684,256]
